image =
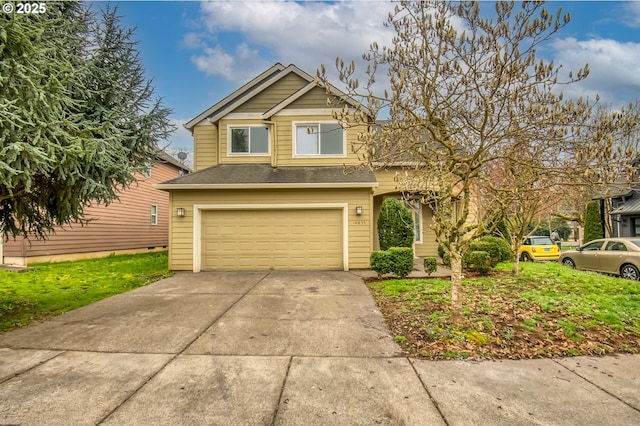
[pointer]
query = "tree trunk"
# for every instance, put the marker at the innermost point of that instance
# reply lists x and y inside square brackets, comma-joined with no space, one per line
[456,286]
[516,259]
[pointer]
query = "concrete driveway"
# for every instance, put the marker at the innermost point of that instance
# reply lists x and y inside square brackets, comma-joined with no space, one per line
[280,348]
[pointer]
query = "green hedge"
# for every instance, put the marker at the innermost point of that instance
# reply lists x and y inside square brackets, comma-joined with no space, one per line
[396,260]
[380,262]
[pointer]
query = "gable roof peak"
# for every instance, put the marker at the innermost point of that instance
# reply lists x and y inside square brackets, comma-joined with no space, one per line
[267,78]
[275,69]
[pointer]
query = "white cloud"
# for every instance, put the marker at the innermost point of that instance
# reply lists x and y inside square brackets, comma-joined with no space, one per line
[193,41]
[237,67]
[613,68]
[307,34]
[631,17]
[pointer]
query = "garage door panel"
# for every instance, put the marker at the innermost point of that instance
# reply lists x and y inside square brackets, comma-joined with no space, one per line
[280,239]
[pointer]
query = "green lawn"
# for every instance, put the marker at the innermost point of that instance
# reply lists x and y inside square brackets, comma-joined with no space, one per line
[546,310]
[53,288]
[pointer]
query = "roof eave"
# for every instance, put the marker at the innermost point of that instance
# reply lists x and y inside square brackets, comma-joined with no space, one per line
[288,185]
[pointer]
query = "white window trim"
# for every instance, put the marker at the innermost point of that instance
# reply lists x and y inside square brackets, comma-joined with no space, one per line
[294,126]
[417,215]
[199,208]
[154,217]
[248,154]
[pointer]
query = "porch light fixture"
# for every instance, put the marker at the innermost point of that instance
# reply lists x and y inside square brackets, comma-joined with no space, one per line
[180,212]
[359,210]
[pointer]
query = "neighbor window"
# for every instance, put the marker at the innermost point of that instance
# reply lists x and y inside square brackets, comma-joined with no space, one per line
[319,139]
[249,140]
[154,215]
[635,226]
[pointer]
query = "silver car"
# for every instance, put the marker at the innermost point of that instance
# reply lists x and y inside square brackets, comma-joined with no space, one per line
[617,256]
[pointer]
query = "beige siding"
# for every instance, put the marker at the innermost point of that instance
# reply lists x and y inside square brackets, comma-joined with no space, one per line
[359,227]
[205,143]
[274,94]
[429,246]
[315,98]
[122,225]
[395,179]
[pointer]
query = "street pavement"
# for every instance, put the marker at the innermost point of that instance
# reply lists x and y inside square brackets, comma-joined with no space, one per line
[280,348]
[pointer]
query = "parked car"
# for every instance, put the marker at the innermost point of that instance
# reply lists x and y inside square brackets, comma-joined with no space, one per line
[538,248]
[617,256]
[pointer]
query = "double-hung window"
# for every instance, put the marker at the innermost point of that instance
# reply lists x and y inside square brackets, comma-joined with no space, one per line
[319,139]
[249,140]
[154,214]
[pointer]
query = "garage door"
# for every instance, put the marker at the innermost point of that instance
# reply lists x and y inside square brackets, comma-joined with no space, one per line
[279,239]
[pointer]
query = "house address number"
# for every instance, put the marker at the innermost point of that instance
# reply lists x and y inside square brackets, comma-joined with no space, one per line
[359,222]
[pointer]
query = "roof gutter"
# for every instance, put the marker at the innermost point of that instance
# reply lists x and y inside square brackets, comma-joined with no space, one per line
[332,185]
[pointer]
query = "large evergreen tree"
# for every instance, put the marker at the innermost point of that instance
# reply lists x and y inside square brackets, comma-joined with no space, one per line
[76,118]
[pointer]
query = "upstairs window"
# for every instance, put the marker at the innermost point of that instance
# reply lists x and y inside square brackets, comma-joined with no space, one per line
[319,139]
[249,140]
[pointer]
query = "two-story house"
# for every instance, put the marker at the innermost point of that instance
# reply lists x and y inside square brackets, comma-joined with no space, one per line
[277,184]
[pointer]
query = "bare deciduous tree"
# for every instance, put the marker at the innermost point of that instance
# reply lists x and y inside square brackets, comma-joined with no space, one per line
[464,90]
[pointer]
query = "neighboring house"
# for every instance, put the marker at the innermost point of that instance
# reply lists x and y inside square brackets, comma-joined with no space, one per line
[625,214]
[138,221]
[277,184]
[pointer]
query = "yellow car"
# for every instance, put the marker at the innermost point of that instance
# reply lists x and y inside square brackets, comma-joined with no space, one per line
[538,248]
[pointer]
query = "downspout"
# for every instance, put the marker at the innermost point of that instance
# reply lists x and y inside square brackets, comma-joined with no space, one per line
[274,142]
[219,143]
[1,250]
[618,225]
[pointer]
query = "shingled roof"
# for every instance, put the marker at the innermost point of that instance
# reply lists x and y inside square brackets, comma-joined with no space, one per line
[263,175]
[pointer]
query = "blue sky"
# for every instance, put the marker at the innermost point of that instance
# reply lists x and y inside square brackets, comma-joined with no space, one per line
[199,52]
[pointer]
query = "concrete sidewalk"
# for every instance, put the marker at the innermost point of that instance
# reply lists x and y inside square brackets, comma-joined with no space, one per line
[280,348]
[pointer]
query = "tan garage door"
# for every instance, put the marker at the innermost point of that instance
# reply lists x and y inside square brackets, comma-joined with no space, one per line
[280,239]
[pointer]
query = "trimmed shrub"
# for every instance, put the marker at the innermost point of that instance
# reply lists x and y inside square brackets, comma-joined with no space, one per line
[497,248]
[592,222]
[503,250]
[398,260]
[402,258]
[381,262]
[479,261]
[395,225]
[430,265]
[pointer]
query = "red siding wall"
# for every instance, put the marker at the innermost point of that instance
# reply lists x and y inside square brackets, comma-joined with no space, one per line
[122,225]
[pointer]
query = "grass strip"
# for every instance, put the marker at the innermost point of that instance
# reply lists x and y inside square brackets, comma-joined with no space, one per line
[53,288]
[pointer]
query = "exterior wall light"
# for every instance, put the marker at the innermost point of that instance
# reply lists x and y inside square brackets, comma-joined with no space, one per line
[180,212]
[359,210]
